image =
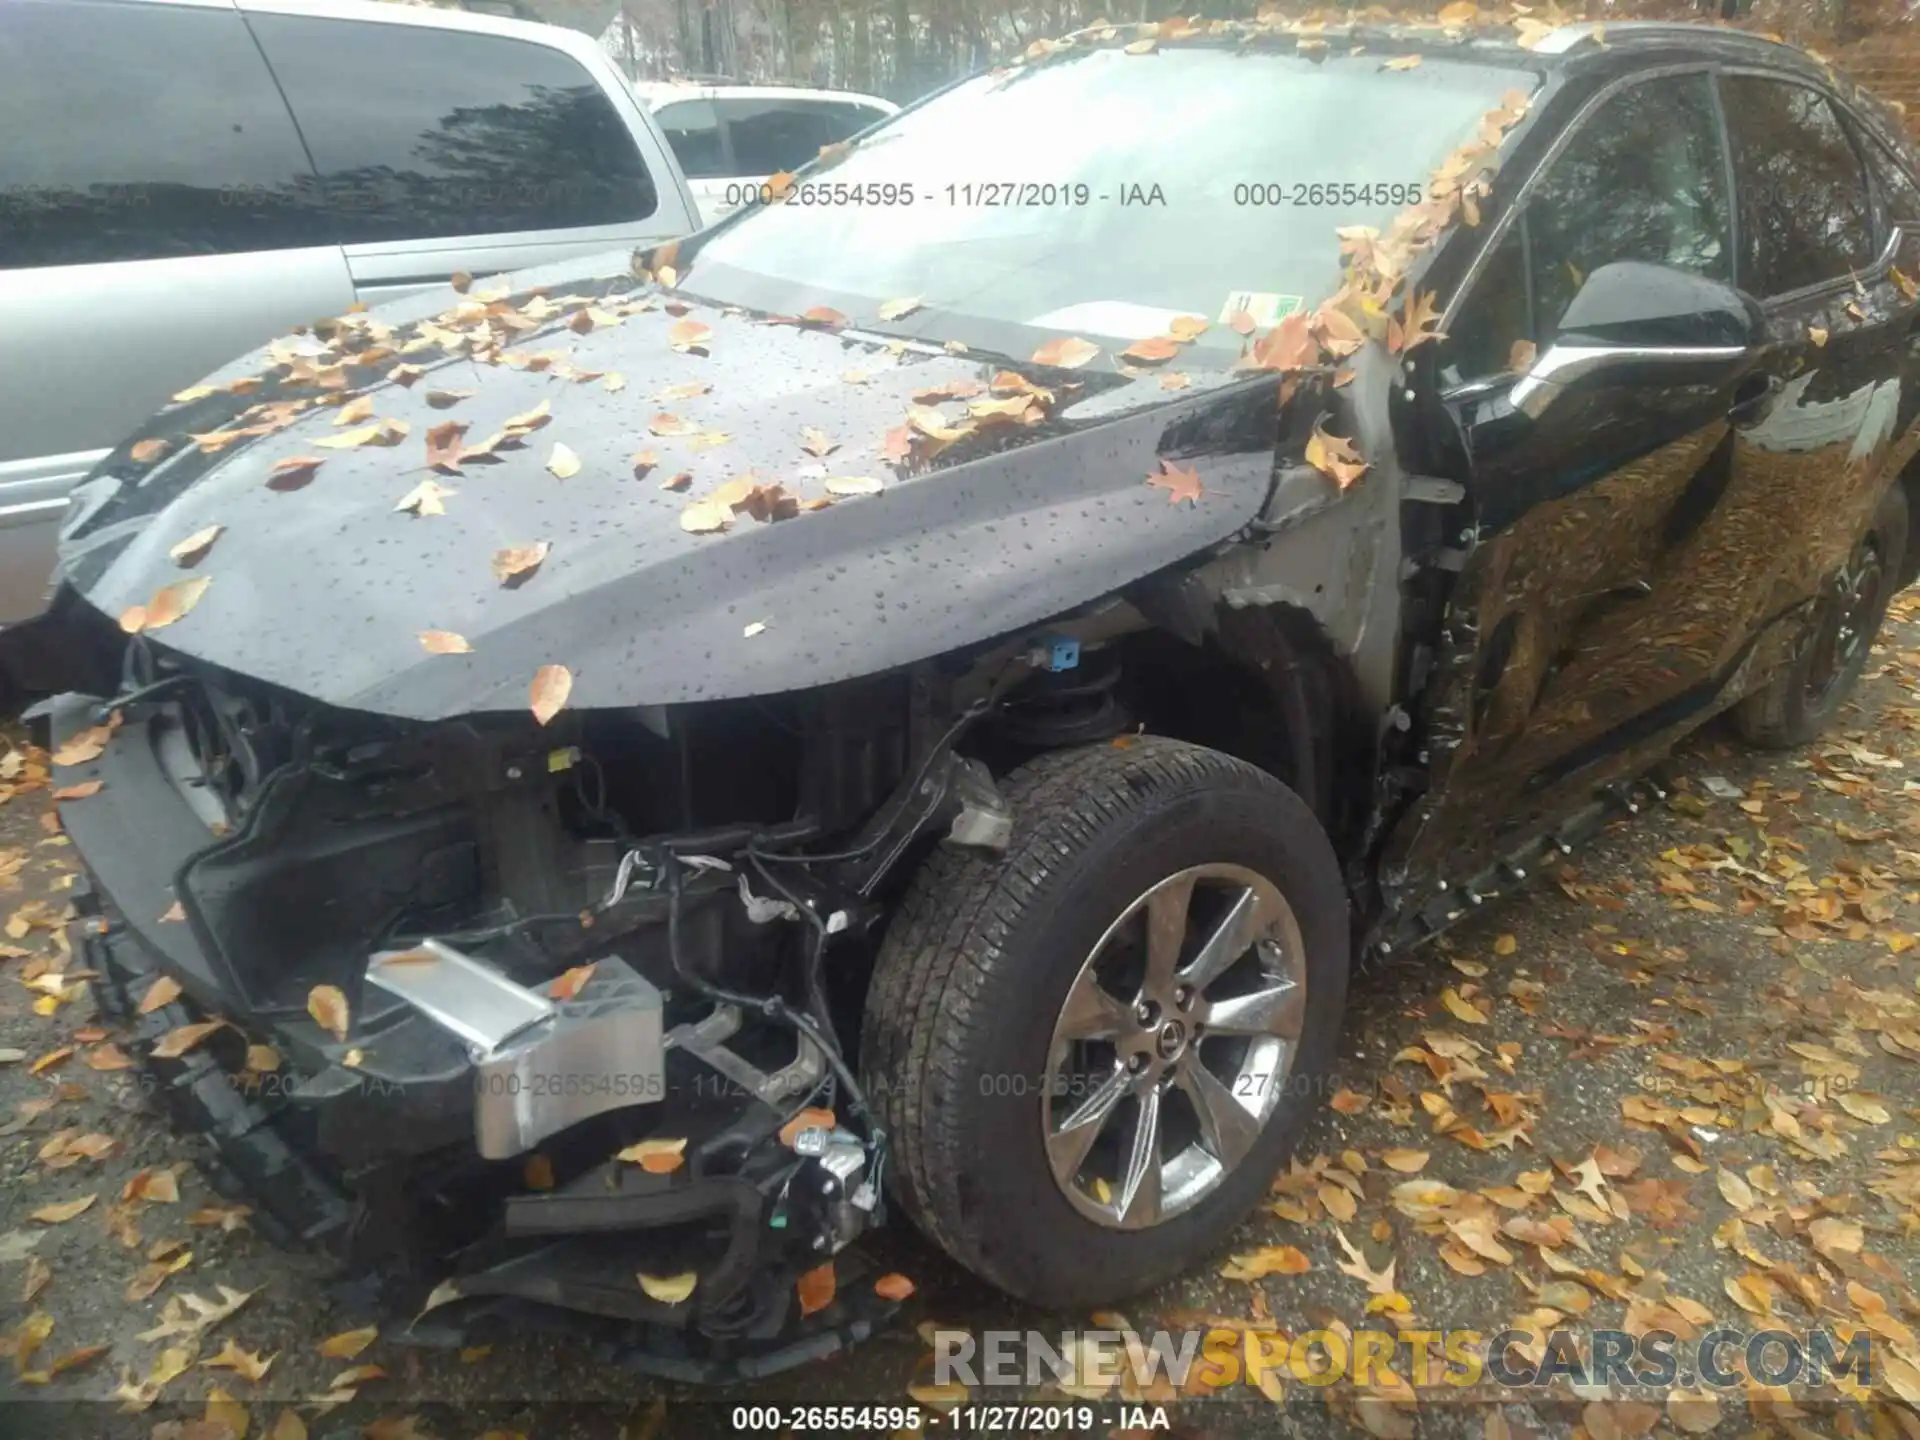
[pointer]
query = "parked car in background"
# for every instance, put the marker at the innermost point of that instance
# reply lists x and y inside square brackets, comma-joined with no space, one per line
[730,139]
[155,222]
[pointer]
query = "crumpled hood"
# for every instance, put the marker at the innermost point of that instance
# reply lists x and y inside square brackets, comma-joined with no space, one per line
[326,587]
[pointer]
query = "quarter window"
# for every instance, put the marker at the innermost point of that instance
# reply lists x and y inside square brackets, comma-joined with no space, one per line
[116,144]
[692,128]
[772,134]
[1804,212]
[421,132]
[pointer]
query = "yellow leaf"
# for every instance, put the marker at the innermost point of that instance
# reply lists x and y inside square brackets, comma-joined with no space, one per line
[1268,1260]
[1460,1008]
[328,1007]
[563,463]
[1405,1161]
[63,1211]
[669,1289]
[444,642]
[181,1039]
[1734,1190]
[1862,1106]
[348,1343]
[547,695]
[656,1157]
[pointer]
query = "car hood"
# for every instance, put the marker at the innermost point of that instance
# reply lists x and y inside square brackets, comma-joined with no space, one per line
[326,588]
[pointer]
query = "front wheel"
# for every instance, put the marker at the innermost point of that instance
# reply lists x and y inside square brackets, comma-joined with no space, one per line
[1094,1052]
[1795,705]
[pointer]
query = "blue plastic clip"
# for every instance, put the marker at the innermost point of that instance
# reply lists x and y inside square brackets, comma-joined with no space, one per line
[1056,653]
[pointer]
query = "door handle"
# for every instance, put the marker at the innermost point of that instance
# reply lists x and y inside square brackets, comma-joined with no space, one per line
[1752,396]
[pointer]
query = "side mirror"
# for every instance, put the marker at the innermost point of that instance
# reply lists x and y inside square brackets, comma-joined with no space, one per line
[1632,313]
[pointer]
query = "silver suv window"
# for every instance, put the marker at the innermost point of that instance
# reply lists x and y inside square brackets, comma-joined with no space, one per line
[118,142]
[424,132]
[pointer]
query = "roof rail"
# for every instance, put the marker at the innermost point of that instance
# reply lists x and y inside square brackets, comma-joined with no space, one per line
[1567,37]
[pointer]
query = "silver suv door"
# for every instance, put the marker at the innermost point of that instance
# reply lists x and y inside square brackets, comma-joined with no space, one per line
[157,218]
[453,142]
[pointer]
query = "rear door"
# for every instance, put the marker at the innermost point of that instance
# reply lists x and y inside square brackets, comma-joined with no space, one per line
[447,149]
[158,217]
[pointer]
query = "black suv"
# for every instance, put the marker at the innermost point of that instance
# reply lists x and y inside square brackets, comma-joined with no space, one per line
[925,689]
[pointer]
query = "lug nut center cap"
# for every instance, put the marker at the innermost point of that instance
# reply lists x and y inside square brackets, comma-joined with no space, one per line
[1171,1040]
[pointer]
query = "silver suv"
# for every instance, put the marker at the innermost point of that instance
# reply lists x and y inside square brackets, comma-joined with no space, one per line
[180,180]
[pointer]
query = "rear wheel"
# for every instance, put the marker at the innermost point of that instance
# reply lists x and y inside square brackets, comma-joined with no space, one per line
[1094,1052]
[1804,697]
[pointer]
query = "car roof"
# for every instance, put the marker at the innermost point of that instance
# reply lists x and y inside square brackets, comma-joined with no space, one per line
[417,13]
[658,92]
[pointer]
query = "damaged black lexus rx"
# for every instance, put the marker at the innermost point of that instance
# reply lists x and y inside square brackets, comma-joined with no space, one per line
[913,697]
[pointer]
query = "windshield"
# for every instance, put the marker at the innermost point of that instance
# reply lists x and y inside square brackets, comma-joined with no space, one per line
[1102,194]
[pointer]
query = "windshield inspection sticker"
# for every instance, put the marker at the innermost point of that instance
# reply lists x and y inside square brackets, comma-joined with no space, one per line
[1264,306]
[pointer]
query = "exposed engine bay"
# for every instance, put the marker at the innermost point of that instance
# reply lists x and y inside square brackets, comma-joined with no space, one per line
[513,1015]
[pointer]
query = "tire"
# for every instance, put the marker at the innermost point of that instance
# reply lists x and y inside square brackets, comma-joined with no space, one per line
[1802,699]
[977,964]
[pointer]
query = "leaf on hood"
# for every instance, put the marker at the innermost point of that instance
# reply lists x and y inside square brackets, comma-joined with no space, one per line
[1241,323]
[704,516]
[1179,484]
[563,464]
[1418,323]
[519,561]
[192,550]
[145,452]
[528,421]
[1336,330]
[667,424]
[1067,352]
[425,499]
[171,602]
[689,336]
[1152,350]
[446,399]
[1289,345]
[547,695]
[817,442]
[63,1211]
[815,1289]
[163,991]
[444,445]
[1520,356]
[1188,328]
[899,309]
[1460,12]
[1817,334]
[668,1289]
[81,791]
[687,391]
[643,461]
[825,316]
[1140,47]
[444,642]
[1174,380]
[1404,62]
[461,282]
[355,411]
[327,1004]
[1335,457]
[656,1157]
[293,472]
[181,1039]
[381,432]
[852,485]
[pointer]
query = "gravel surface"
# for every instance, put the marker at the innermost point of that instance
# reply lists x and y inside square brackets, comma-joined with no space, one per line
[1696,1047]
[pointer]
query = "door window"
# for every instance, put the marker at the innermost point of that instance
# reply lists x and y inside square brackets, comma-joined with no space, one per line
[1804,213]
[1642,179]
[421,132]
[771,134]
[692,128]
[115,143]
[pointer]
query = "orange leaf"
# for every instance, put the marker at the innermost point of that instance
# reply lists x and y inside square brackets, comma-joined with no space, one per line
[1068,352]
[163,991]
[80,791]
[1335,457]
[328,1007]
[180,1040]
[519,560]
[1179,484]
[192,550]
[689,335]
[1152,350]
[547,695]
[893,1286]
[569,983]
[811,1118]
[815,1289]
[444,642]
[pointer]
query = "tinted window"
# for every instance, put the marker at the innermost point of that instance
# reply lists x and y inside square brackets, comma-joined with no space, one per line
[1643,178]
[1482,338]
[693,130]
[422,132]
[1894,188]
[772,134]
[117,144]
[1804,216]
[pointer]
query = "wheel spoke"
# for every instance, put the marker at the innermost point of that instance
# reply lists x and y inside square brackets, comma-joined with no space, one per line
[1139,1197]
[1276,1009]
[1067,1145]
[1231,939]
[1092,1012]
[1226,1128]
[1166,931]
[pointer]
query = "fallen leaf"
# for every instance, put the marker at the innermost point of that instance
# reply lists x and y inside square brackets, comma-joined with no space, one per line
[1068,352]
[171,602]
[181,1039]
[813,1117]
[1461,1008]
[1695,1413]
[1735,1191]
[1817,334]
[817,442]
[1179,484]
[893,1286]
[154,1187]
[1337,459]
[1405,1161]
[815,1289]
[63,1211]
[293,472]
[348,1343]
[688,335]
[39,1275]
[668,1289]
[1268,1260]
[1404,62]
[528,421]
[328,1007]
[444,642]
[425,498]
[79,792]
[145,452]
[245,1363]
[444,445]
[703,517]
[163,991]
[852,485]
[656,1157]
[563,464]
[568,984]
[899,309]
[547,695]
[824,315]
[1152,350]
[192,550]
